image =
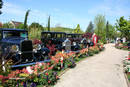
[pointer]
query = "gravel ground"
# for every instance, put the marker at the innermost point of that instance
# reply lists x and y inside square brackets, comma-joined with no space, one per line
[102,70]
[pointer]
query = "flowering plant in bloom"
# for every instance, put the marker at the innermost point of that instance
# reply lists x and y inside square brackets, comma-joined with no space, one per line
[36,41]
[46,73]
[82,52]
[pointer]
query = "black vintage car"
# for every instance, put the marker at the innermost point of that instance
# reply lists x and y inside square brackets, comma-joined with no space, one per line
[15,44]
[75,40]
[53,40]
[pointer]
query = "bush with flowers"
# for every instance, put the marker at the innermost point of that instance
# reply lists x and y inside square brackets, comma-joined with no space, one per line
[46,74]
[123,46]
[126,65]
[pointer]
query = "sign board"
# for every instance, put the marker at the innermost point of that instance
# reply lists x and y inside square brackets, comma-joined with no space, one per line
[95,39]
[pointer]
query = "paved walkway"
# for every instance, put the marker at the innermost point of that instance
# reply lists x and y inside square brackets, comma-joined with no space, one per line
[102,70]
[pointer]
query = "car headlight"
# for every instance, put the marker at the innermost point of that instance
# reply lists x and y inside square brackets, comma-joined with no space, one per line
[74,43]
[63,44]
[14,48]
[38,47]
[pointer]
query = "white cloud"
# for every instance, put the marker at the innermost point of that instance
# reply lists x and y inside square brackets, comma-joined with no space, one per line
[111,8]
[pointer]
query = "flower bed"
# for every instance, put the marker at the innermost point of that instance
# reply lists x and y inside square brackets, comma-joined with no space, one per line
[47,74]
[126,63]
[123,46]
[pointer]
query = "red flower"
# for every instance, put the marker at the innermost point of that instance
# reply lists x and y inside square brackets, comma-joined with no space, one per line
[48,64]
[46,74]
[36,41]
[24,70]
[49,68]
[57,61]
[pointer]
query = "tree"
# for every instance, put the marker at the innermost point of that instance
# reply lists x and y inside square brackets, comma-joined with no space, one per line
[123,26]
[1,4]
[100,23]
[112,33]
[90,28]
[26,18]
[35,30]
[107,30]
[78,30]
[36,25]
[48,26]
[21,26]
[7,25]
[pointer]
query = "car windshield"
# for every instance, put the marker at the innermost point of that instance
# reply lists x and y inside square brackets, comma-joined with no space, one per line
[60,35]
[8,34]
[46,35]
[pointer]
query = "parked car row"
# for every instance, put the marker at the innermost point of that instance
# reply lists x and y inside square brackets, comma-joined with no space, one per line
[15,42]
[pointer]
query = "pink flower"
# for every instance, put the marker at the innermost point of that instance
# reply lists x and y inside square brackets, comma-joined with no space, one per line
[1,76]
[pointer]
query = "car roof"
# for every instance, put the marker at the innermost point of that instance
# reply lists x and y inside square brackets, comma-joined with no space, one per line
[53,32]
[11,29]
[73,34]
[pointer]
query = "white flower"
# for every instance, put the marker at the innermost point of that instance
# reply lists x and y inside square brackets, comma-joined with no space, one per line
[61,58]
[30,71]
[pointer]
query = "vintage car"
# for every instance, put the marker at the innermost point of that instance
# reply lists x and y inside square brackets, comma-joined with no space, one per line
[53,40]
[75,40]
[15,44]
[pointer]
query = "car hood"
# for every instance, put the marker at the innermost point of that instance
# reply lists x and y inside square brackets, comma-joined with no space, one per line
[13,40]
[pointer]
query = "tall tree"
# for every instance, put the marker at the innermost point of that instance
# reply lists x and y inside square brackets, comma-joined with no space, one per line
[36,25]
[90,28]
[123,26]
[26,18]
[1,4]
[100,23]
[107,30]
[48,26]
[112,32]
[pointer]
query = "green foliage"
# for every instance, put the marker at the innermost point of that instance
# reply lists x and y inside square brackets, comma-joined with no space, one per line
[35,30]
[26,18]
[7,25]
[1,4]
[112,32]
[123,26]
[107,30]
[100,23]
[48,27]
[21,26]
[90,28]
[62,29]
[35,33]
[78,30]
[36,25]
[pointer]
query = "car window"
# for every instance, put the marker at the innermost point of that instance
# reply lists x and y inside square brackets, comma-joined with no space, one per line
[48,35]
[23,34]
[8,34]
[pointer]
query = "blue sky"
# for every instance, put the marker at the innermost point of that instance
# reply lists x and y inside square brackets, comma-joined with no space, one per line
[66,13]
